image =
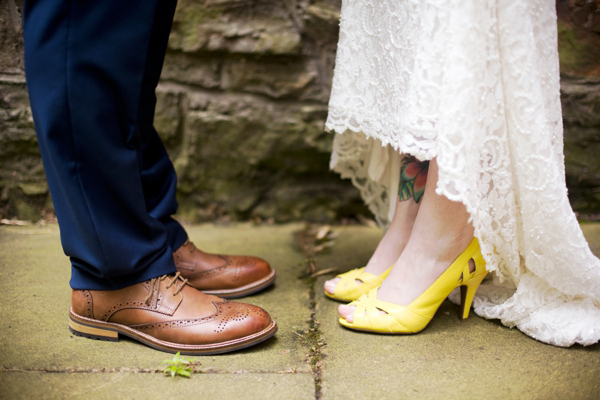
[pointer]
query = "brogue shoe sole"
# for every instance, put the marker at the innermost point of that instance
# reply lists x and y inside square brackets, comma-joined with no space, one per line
[95,329]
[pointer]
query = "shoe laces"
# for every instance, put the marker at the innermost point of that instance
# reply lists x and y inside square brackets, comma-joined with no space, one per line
[155,282]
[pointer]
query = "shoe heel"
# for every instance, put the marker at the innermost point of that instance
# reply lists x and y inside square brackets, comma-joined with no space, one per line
[467,293]
[92,332]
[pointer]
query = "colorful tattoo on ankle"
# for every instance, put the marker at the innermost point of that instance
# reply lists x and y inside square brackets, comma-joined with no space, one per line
[413,176]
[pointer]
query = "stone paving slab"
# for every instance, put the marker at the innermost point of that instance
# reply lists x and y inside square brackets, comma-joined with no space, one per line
[474,359]
[36,385]
[450,359]
[34,291]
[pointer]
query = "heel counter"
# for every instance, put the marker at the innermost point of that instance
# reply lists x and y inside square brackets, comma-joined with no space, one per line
[82,303]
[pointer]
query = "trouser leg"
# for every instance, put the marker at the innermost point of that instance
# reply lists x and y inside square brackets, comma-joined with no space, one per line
[158,175]
[86,65]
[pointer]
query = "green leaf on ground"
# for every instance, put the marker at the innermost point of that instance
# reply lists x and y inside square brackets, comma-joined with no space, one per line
[179,365]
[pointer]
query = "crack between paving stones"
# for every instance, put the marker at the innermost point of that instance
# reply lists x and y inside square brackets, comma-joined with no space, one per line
[313,341]
[141,371]
[312,337]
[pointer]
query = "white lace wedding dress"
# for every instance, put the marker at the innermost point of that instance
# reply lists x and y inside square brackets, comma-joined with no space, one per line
[474,83]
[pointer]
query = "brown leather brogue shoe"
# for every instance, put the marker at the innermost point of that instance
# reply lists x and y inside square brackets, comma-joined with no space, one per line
[224,276]
[168,314]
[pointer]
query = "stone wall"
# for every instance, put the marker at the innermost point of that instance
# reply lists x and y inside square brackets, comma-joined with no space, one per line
[241,109]
[242,106]
[579,50]
[23,188]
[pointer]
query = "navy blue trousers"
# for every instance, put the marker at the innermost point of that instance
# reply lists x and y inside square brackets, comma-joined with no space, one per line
[92,68]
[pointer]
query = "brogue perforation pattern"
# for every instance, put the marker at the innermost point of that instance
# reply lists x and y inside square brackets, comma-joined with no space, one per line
[173,324]
[232,314]
[237,268]
[89,303]
[137,304]
[182,322]
[260,312]
[207,274]
[133,304]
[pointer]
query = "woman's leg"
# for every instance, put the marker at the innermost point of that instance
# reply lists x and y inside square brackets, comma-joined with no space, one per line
[440,233]
[394,240]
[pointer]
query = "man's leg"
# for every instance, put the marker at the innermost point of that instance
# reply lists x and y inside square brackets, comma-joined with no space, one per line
[226,276]
[85,63]
[87,68]
[159,180]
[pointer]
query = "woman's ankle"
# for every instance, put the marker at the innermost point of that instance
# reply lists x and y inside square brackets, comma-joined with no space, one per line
[395,238]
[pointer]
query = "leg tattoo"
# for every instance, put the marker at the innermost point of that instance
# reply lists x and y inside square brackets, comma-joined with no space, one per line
[413,176]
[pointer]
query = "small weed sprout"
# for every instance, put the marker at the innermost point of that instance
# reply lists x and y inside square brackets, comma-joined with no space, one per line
[179,365]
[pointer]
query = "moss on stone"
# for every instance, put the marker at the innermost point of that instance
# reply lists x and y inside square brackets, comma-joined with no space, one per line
[25,211]
[34,189]
[578,51]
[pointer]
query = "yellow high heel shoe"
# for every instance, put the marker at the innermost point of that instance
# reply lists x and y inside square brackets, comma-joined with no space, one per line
[414,317]
[347,289]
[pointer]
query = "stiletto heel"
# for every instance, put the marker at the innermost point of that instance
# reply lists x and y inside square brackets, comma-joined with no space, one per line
[414,317]
[467,293]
